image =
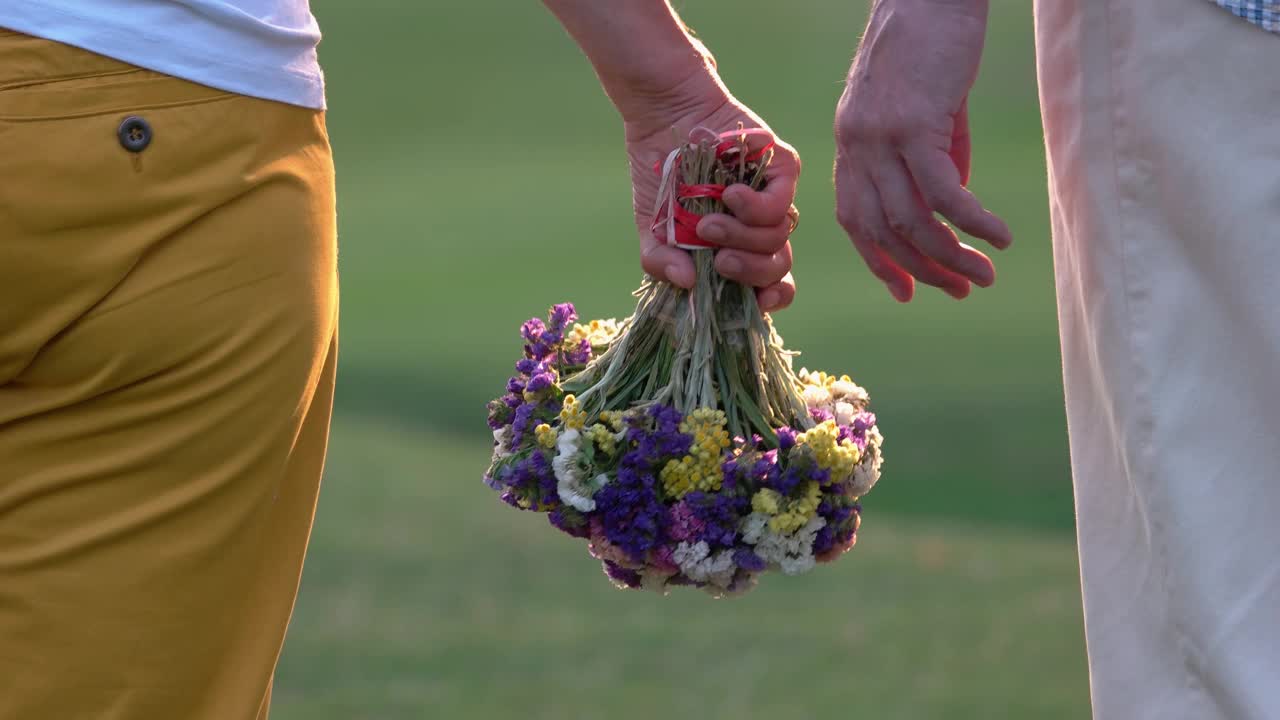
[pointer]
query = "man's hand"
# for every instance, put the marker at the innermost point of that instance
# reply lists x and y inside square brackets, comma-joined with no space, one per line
[754,239]
[902,147]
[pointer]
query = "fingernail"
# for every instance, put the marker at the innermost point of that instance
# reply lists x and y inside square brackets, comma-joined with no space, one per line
[769,300]
[730,265]
[713,232]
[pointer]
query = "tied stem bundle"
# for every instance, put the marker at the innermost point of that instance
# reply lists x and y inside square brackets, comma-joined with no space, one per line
[710,346]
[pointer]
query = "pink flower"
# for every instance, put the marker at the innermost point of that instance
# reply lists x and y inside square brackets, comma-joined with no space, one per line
[685,525]
[661,561]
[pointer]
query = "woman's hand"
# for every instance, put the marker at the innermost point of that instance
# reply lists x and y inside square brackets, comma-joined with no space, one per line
[754,239]
[662,79]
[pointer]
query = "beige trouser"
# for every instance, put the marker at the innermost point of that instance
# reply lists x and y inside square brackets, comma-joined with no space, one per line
[1161,120]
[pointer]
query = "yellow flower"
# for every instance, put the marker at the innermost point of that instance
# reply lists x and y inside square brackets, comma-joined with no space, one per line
[571,415]
[766,501]
[603,438]
[821,379]
[613,419]
[700,469]
[831,453]
[546,435]
[789,515]
[597,333]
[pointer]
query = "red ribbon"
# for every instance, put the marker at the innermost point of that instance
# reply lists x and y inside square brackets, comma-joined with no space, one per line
[686,222]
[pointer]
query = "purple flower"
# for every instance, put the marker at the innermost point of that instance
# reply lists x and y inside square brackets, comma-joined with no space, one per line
[532,478]
[569,521]
[857,430]
[511,498]
[662,560]
[540,382]
[580,355]
[527,366]
[821,415]
[500,414]
[824,540]
[764,466]
[841,517]
[748,560]
[520,425]
[719,514]
[622,576]
[545,347]
[786,438]
[532,330]
[788,480]
[630,511]
[515,385]
[561,315]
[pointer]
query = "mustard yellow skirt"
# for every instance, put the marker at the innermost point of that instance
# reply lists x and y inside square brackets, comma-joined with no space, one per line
[168,326]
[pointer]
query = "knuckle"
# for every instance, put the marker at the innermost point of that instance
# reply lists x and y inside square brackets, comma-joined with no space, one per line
[856,127]
[782,261]
[944,201]
[901,225]
[792,157]
[775,238]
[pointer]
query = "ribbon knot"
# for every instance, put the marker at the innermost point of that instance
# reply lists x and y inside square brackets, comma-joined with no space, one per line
[672,223]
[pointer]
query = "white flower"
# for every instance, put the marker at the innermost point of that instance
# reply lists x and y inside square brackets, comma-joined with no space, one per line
[698,563]
[797,565]
[574,488]
[816,396]
[501,439]
[845,413]
[690,553]
[867,472]
[792,553]
[753,527]
[874,438]
[851,392]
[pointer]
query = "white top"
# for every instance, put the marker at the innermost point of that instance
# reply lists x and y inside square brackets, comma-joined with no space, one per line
[262,48]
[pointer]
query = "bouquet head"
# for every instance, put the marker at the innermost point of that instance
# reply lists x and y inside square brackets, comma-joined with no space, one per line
[679,443]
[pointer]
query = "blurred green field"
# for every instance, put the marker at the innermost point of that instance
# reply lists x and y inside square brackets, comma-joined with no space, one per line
[481,178]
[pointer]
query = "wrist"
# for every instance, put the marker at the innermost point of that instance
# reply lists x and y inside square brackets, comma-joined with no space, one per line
[682,85]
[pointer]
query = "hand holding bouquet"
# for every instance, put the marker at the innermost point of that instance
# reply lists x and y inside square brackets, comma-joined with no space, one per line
[679,442]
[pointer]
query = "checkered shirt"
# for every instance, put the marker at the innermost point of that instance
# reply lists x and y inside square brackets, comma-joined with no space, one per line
[1263,14]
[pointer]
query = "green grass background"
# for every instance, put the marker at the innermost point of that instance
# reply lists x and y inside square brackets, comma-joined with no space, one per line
[482,178]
